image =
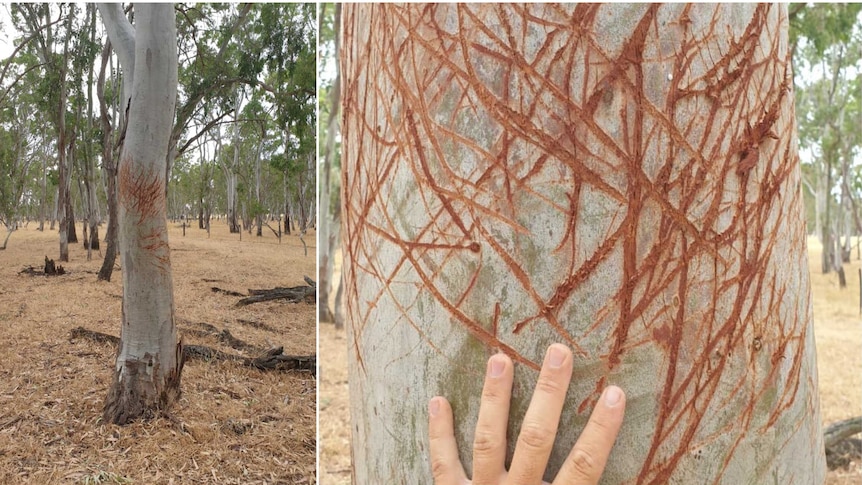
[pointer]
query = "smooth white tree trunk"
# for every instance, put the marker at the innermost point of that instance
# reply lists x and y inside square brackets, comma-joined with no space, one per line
[620,178]
[149,363]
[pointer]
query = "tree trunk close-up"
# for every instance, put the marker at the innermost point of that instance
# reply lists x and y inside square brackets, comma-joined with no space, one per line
[623,179]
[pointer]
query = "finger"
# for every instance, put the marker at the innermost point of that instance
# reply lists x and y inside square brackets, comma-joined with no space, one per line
[445,465]
[539,428]
[586,462]
[489,442]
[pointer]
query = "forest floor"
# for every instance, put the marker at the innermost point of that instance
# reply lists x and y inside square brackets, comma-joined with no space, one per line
[232,424]
[837,330]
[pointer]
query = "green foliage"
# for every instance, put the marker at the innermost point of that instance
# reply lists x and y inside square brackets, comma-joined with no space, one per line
[823,24]
[827,57]
[267,51]
[7,189]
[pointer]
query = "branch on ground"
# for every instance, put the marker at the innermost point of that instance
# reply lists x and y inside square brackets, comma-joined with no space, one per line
[273,359]
[225,337]
[294,294]
[841,447]
[841,430]
[216,289]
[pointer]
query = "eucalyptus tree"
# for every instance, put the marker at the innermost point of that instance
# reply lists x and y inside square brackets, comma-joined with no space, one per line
[111,143]
[83,66]
[827,50]
[291,66]
[622,178]
[24,157]
[19,154]
[52,40]
[149,364]
[329,202]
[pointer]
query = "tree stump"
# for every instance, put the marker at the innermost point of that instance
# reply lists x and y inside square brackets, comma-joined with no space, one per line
[52,269]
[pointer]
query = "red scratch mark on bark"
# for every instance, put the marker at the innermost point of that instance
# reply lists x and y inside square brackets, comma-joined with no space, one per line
[492,126]
[141,191]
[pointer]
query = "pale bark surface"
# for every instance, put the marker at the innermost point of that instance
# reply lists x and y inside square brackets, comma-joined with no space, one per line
[149,363]
[620,178]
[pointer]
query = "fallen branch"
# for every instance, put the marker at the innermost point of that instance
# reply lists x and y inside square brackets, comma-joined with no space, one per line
[225,337]
[258,325]
[276,233]
[273,359]
[841,430]
[216,289]
[841,448]
[294,294]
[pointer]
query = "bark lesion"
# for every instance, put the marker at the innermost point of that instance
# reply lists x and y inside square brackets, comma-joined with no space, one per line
[142,193]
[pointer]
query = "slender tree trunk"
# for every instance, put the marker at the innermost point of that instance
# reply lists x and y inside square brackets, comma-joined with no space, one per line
[311,188]
[258,219]
[286,206]
[826,238]
[339,304]
[149,364]
[72,236]
[620,178]
[230,174]
[329,224]
[109,166]
[43,209]
[67,218]
[63,178]
[93,215]
[61,201]
[54,213]
[846,210]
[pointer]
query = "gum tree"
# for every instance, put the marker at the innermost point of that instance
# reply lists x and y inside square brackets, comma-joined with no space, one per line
[147,373]
[620,178]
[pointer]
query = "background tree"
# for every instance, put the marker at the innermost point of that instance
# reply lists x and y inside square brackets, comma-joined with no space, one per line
[621,178]
[36,20]
[329,134]
[827,57]
[149,363]
[263,51]
[19,155]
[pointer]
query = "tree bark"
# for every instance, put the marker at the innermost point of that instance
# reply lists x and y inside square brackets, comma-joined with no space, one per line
[149,364]
[63,194]
[43,206]
[620,178]
[109,165]
[93,216]
[230,171]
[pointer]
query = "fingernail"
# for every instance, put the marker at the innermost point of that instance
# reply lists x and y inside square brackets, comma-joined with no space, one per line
[613,394]
[556,356]
[497,364]
[434,407]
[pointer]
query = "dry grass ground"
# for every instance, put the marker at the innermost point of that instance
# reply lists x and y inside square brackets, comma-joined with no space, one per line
[232,425]
[837,327]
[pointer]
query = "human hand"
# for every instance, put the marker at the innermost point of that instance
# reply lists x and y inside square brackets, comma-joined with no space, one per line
[586,461]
